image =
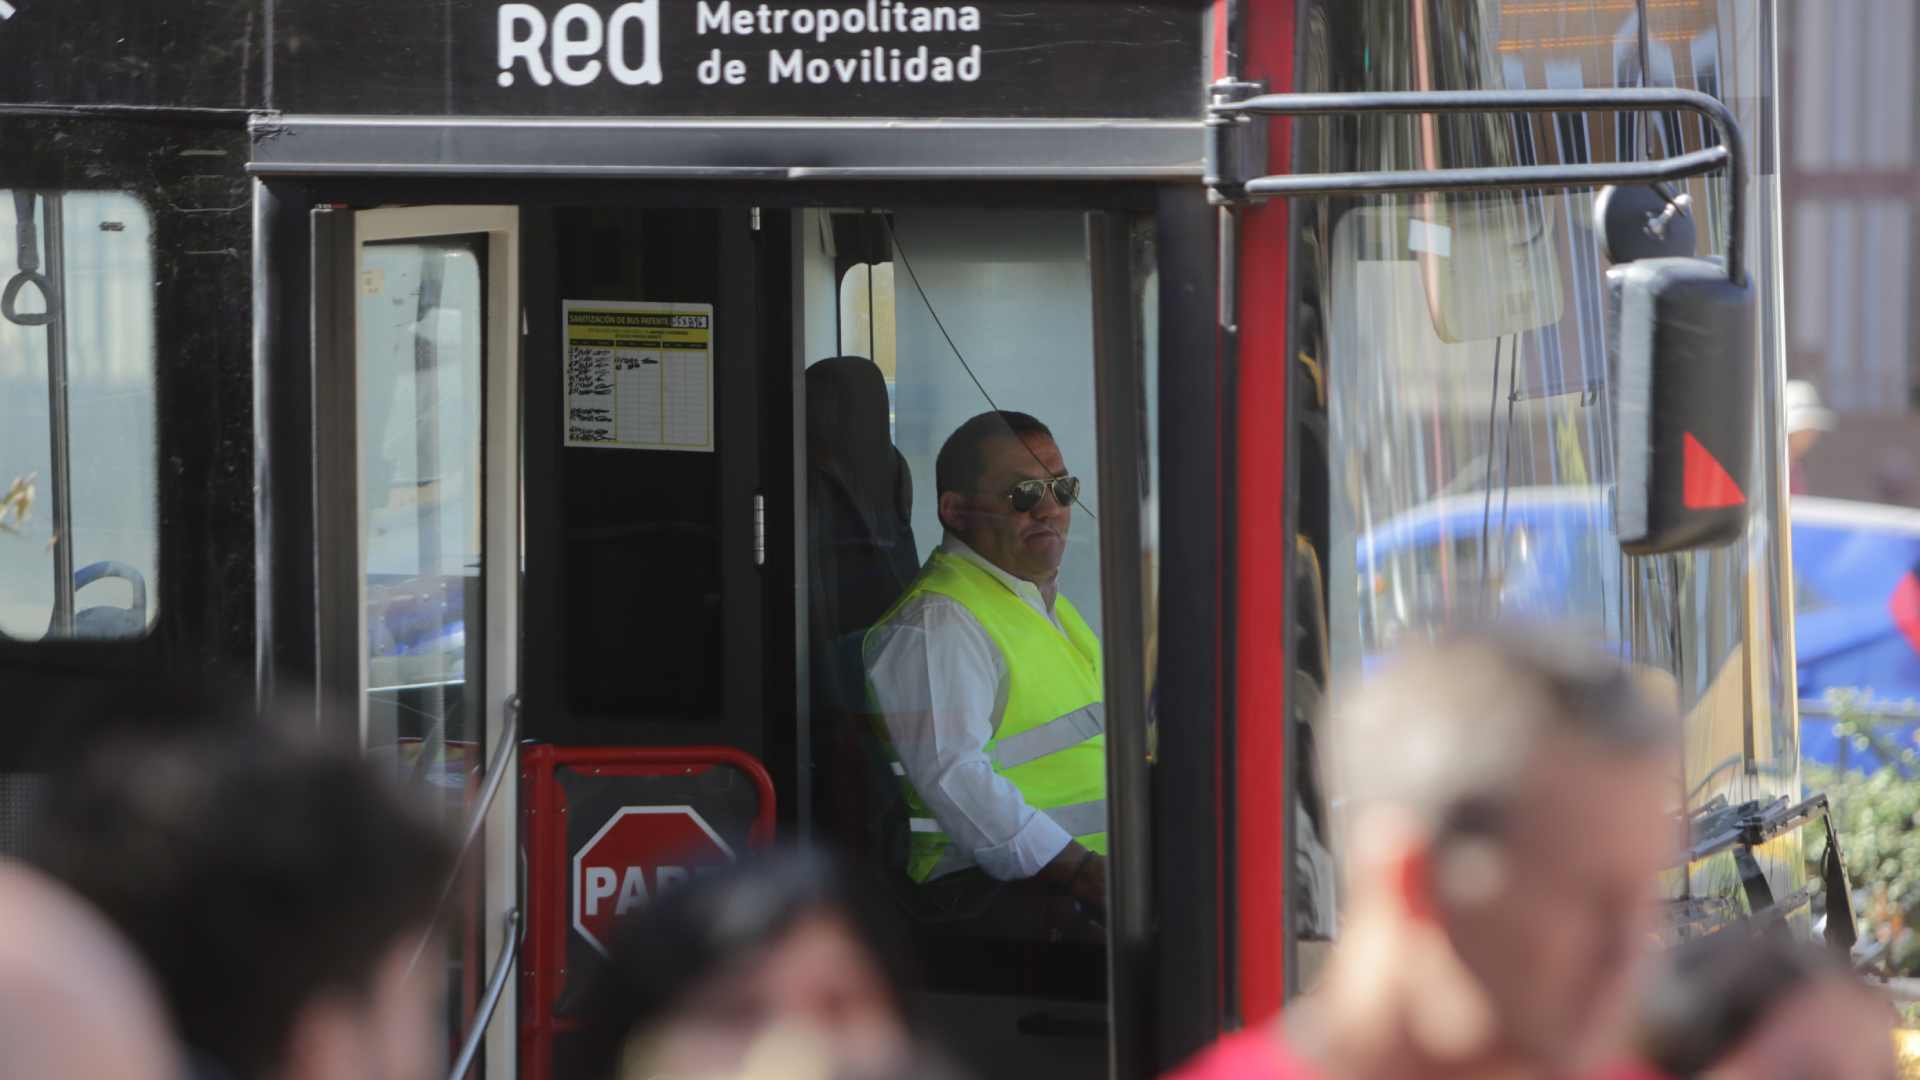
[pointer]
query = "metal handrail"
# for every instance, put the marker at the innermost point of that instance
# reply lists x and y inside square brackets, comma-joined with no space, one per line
[490,1001]
[1732,152]
[1493,177]
[496,774]
[490,786]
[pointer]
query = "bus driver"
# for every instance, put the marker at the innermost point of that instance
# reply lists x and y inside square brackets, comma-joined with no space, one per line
[988,682]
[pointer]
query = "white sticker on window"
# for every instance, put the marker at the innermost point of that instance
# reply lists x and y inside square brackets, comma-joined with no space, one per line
[1428,237]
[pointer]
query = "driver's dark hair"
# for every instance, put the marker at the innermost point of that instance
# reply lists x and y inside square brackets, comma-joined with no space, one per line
[963,457]
[254,873]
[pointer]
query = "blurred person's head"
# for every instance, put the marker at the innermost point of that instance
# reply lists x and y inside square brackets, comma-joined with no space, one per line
[74,1000]
[775,947]
[1747,1005]
[1507,800]
[279,893]
[1807,418]
[992,476]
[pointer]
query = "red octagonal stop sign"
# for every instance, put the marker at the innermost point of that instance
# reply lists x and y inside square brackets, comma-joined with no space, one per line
[640,851]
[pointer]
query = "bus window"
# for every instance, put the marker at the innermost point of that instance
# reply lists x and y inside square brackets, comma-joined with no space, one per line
[79,544]
[954,518]
[866,325]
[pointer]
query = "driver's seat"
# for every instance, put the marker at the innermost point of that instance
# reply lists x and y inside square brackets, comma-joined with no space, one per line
[861,559]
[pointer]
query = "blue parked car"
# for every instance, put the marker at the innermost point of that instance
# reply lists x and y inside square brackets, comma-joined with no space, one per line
[1857,607]
[1857,618]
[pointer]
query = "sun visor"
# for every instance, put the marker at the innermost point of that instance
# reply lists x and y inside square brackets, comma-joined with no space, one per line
[1489,264]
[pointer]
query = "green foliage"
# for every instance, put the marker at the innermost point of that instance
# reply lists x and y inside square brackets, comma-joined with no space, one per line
[1878,817]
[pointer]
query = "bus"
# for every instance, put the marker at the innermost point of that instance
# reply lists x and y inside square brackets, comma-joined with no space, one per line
[532,394]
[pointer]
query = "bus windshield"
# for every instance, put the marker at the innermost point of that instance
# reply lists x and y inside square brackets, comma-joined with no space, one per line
[1464,344]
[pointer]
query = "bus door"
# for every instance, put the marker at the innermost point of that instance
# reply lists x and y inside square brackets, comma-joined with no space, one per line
[417,527]
[735,405]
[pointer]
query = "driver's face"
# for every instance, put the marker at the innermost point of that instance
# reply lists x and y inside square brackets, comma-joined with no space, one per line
[1028,545]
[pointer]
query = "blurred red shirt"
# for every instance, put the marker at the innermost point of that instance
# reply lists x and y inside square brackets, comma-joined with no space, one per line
[1245,1055]
[1256,1055]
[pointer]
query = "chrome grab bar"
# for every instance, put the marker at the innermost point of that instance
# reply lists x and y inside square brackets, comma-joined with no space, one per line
[1225,113]
[477,818]
[490,787]
[490,1001]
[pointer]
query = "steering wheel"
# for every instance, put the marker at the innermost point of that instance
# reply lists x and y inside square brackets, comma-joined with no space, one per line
[104,622]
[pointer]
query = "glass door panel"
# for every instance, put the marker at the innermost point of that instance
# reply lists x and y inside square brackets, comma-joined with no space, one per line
[422,330]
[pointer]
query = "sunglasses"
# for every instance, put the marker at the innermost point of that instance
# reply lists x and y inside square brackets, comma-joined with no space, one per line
[1026,494]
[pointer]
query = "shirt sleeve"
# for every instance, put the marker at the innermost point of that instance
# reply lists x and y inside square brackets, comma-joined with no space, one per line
[940,685]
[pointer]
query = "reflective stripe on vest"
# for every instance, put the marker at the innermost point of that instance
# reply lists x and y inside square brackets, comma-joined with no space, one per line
[1051,738]
[1080,819]
[1083,821]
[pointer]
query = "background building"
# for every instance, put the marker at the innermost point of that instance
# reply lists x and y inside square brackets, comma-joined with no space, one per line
[1852,200]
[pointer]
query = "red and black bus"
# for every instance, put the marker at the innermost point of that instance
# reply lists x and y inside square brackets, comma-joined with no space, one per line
[1327,301]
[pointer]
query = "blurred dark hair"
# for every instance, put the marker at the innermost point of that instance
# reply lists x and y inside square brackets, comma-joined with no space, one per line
[70,712]
[963,457]
[1715,991]
[254,874]
[698,929]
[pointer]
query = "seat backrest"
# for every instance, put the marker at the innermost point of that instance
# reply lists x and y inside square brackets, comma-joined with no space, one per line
[860,497]
[861,559]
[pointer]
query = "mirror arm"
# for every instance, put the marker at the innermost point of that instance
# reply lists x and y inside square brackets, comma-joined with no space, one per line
[1730,154]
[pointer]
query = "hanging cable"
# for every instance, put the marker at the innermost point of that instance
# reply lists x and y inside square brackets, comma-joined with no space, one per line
[1493,437]
[926,300]
[1506,456]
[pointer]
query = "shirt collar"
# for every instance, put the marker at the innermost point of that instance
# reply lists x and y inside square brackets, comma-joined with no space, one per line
[1020,587]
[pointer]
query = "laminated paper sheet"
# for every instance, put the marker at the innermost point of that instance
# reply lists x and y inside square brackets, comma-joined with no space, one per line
[639,375]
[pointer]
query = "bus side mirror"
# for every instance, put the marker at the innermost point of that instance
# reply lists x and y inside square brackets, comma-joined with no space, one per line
[1684,370]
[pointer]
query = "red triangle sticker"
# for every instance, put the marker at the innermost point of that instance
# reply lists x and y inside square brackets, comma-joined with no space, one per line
[1704,482]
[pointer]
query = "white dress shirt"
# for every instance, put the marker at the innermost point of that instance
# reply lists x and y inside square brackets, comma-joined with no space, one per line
[941,685]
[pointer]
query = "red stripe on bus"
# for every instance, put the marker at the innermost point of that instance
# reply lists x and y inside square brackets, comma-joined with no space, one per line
[1264,550]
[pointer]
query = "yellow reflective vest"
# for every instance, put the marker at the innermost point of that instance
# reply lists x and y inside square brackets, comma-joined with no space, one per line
[1051,742]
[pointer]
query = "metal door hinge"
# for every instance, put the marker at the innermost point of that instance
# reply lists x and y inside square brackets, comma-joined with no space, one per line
[1236,142]
[756,219]
[759,530]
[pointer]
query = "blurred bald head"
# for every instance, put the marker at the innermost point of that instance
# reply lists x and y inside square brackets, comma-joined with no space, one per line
[74,1002]
[1509,796]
